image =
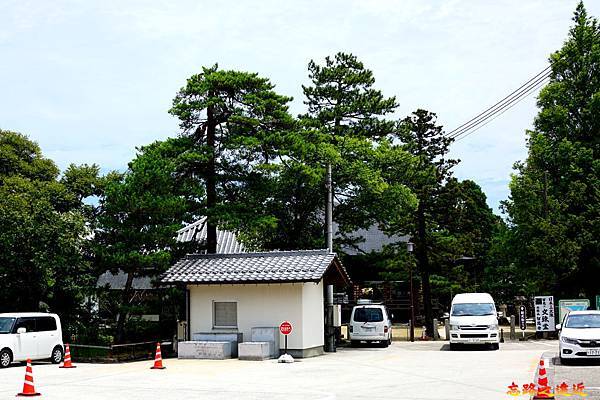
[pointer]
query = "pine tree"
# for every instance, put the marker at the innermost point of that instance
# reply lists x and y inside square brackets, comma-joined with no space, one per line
[236,122]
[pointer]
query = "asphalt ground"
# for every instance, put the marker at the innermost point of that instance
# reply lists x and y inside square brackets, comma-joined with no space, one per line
[415,371]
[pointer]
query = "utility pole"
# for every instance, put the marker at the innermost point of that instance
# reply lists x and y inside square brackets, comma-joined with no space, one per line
[329,330]
[409,249]
[329,209]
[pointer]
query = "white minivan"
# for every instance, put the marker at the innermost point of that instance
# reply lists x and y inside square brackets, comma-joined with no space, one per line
[370,323]
[30,335]
[473,320]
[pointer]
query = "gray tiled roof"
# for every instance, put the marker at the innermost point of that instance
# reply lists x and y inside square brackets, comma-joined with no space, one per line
[118,280]
[274,266]
[226,241]
[368,240]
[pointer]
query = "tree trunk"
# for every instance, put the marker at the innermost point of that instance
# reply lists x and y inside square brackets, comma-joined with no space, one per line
[211,183]
[120,334]
[423,260]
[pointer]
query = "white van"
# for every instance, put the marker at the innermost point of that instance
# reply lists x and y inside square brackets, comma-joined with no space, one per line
[473,320]
[370,323]
[30,335]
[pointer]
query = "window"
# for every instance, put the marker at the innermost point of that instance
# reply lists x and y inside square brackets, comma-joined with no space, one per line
[224,314]
[27,323]
[591,321]
[6,324]
[472,309]
[46,324]
[365,314]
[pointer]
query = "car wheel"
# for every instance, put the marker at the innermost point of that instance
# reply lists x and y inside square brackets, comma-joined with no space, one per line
[5,358]
[495,346]
[354,343]
[57,355]
[564,361]
[453,346]
[384,343]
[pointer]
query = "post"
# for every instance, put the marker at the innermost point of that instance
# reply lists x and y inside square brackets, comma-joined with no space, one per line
[187,334]
[447,328]
[436,333]
[513,335]
[412,308]
[330,330]
[285,338]
[329,208]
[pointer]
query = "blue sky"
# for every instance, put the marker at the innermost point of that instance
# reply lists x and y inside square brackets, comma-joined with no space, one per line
[91,80]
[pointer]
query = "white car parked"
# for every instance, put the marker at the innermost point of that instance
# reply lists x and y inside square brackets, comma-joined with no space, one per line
[370,323]
[30,335]
[473,320]
[580,335]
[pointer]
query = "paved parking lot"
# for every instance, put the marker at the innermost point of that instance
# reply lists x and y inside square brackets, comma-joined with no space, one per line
[424,370]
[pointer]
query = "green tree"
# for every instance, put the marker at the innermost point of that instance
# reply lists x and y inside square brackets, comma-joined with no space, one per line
[425,141]
[553,208]
[465,228]
[44,256]
[346,127]
[235,121]
[140,213]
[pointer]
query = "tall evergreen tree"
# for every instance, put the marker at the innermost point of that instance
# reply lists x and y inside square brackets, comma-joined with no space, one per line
[553,208]
[346,119]
[236,122]
[140,213]
[424,139]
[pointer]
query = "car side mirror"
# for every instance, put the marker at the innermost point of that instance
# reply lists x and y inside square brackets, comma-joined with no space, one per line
[21,330]
[558,327]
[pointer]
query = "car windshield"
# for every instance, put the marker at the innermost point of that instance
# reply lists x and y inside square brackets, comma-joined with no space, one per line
[365,314]
[583,321]
[6,324]
[472,309]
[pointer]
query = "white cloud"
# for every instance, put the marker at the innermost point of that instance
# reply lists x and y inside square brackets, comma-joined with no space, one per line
[92,80]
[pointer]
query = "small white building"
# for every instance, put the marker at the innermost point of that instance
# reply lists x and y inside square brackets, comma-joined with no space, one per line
[236,292]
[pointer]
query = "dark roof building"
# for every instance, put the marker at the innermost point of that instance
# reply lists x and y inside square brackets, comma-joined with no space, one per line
[265,267]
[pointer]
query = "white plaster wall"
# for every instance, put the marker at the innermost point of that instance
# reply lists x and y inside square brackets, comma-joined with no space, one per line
[313,314]
[264,305]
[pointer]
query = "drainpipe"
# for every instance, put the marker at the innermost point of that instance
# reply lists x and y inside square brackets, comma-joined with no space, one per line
[329,329]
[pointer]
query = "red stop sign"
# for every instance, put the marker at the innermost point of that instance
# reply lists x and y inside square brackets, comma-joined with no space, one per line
[285,328]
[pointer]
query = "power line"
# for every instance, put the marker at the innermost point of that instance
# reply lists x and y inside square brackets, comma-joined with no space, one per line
[524,90]
[461,137]
[501,108]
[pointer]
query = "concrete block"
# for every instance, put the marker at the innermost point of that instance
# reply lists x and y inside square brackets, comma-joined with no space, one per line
[233,337]
[255,351]
[204,350]
[267,334]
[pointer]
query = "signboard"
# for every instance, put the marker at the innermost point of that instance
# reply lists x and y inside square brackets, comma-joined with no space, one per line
[522,318]
[544,314]
[571,305]
[285,328]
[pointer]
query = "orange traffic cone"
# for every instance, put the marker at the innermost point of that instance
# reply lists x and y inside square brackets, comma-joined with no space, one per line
[28,388]
[157,359]
[67,362]
[543,390]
